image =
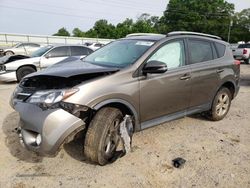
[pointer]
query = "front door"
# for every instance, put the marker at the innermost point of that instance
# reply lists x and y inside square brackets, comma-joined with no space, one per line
[169,92]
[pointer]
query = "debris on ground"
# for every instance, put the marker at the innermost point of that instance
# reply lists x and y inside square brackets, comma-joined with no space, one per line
[126,132]
[178,162]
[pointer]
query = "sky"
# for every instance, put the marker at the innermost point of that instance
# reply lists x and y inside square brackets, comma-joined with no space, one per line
[45,17]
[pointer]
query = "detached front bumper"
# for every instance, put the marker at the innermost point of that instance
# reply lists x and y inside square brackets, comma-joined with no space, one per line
[45,131]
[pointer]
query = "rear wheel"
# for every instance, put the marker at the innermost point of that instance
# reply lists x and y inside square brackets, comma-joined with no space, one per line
[102,137]
[221,104]
[23,71]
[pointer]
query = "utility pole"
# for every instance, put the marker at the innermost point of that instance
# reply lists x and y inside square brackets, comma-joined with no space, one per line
[229,31]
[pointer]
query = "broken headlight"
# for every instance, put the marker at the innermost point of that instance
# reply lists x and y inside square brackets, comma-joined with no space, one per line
[50,97]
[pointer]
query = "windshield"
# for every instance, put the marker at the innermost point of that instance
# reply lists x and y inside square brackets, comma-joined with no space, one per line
[119,53]
[41,51]
[16,45]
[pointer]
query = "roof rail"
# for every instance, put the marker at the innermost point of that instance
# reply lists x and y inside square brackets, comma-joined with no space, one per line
[143,34]
[192,33]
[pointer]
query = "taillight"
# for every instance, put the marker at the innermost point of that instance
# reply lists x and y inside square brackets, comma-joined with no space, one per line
[236,62]
[244,51]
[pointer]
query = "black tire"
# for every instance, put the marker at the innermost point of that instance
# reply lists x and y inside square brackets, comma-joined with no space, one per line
[9,53]
[102,137]
[23,71]
[221,105]
[247,61]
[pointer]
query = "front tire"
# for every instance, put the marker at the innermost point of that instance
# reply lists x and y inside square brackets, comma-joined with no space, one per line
[23,71]
[221,104]
[9,53]
[102,137]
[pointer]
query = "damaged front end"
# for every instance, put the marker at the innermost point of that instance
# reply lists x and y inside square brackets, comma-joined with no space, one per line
[46,120]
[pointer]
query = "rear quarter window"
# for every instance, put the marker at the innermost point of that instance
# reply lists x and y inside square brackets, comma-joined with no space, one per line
[79,51]
[200,51]
[220,48]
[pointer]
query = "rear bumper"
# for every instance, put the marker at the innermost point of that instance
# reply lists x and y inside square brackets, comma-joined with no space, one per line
[241,57]
[45,131]
[8,76]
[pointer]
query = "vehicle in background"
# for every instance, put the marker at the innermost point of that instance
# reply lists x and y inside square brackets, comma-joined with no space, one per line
[21,49]
[8,59]
[40,59]
[126,86]
[242,53]
[234,46]
[94,45]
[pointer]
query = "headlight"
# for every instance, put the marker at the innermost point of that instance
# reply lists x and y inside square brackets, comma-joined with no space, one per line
[50,97]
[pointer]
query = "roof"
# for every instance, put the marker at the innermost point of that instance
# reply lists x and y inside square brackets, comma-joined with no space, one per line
[145,36]
[156,37]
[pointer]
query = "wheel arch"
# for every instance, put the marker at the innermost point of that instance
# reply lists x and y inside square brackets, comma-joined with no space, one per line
[229,85]
[8,51]
[124,106]
[27,65]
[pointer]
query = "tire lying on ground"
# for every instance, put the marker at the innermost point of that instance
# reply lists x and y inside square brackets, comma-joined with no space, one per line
[23,71]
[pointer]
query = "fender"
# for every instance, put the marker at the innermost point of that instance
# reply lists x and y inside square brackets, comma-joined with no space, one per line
[127,104]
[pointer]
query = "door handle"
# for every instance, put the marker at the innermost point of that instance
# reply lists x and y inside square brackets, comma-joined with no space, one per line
[219,70]
[185,77]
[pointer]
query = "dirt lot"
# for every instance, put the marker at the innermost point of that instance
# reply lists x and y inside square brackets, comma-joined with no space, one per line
[217,153]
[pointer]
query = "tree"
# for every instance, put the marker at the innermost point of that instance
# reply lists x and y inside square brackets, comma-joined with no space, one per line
[124,28]
[77,33]
[211,16]
[62,32]
[241,26]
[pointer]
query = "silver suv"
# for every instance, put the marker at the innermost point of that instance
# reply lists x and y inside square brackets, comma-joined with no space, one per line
[135,83]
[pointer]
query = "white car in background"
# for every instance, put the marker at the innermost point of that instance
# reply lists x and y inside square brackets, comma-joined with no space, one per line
[94,45]
[21,49]
[40,59]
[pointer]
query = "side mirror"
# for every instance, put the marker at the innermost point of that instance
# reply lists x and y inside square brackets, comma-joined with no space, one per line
[154,67]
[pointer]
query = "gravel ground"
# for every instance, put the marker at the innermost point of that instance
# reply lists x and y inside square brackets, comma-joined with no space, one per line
[216,153]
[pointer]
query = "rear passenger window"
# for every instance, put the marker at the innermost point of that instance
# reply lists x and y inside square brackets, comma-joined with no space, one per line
[79,51]
[221,48]
[200,51]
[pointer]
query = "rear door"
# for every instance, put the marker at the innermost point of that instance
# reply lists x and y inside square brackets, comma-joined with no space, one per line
[54,56]
[80,51]
[169,92]
[205,69]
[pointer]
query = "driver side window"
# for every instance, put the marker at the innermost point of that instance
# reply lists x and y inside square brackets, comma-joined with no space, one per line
[172,54]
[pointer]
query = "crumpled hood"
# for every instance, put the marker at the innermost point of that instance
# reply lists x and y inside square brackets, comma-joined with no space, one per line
[68,68]
[8,59]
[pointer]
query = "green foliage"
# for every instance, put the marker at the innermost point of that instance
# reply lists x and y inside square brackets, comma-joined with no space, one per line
[210,16]
[77,33]
[241,26]
[62,32]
